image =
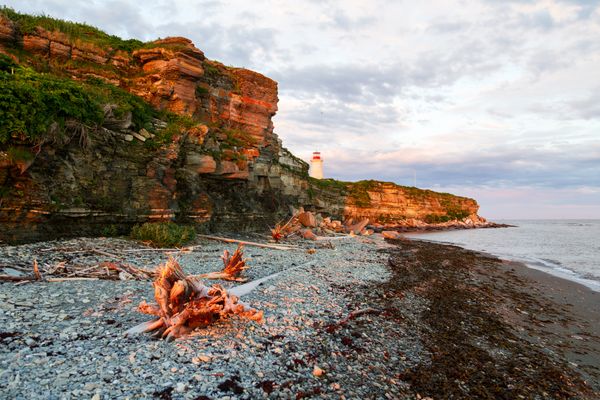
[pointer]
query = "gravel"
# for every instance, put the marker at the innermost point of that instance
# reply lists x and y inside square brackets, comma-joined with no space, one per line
[65,339]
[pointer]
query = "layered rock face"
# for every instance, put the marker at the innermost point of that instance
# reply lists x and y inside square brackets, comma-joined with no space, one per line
[388,203]
[229,171]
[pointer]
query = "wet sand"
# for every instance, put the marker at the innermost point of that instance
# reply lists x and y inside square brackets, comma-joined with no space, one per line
[567,319]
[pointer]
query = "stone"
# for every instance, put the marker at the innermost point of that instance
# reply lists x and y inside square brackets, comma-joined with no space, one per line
[226,167]
[143,132]
[308,234]
[318,371]
[391,235]
[357,227]
[138,136]
[307,219]
[36,44]
[60,50]
[7,30]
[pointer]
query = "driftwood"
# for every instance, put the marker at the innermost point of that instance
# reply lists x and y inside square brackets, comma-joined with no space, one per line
[233,266]
[183,304]
[331,328]
[169,250]
[37,276]
[61,272]
[284,230]
[267,246]
[14,278]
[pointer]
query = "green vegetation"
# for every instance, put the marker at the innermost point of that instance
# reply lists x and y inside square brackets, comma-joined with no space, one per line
[201,91]
[214,70]
[211,71]
[31,103]
[73,30]
[451,215]
[110,231]
[7,64]
[359,192]
[237,138]
[176,125]
[327,184]
[163,234]
[19,154]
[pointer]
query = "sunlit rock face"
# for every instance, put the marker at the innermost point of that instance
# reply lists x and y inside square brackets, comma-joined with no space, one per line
[229,171]
[389,202]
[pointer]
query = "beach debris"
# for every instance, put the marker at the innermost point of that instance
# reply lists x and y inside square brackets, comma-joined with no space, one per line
[61,272]
[233,266]
[284,230]
[354,314]
[183,304]
[356,228]
[307,219]
[310,226]
[391,234]
[244,242]
[308,234]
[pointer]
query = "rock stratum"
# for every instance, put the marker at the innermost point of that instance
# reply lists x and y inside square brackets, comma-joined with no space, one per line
[218,165]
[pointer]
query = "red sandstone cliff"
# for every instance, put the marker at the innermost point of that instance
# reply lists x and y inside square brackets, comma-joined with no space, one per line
[228,171]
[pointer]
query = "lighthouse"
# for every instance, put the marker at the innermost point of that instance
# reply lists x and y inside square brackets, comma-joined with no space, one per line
[316,166]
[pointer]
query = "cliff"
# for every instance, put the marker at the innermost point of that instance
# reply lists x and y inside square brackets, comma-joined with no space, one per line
[101,132]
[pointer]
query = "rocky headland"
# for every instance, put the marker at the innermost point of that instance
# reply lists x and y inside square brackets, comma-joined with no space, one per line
[173,136]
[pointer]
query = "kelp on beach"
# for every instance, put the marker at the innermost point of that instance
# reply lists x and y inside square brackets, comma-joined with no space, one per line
[475,352]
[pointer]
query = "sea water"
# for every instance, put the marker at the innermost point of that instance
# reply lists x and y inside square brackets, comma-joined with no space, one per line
[569,249]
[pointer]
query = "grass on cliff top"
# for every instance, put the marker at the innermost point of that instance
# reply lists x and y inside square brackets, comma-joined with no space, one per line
[74,30]
[163,234]
[31,103]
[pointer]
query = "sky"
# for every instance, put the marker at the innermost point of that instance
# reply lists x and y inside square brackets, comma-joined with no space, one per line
[498,100]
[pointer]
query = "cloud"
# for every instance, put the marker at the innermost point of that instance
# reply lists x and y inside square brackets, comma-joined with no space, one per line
[238,44]
[497,94]
[565,166]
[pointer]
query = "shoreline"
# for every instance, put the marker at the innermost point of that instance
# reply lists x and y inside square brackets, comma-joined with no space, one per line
[379,319]
[556,271]
[579,339]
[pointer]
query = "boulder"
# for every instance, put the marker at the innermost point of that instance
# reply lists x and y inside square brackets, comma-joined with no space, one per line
[308,234]
[357,227]
[307,219]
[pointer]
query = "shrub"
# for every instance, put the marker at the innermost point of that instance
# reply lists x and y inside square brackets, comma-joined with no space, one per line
[163,234]
[31,102]
[110,231]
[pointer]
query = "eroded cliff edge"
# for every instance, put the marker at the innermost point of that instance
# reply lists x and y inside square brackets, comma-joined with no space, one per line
[205,152]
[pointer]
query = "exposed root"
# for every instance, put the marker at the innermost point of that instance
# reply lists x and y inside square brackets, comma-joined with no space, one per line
[184,303]
[285,230]
[233,266]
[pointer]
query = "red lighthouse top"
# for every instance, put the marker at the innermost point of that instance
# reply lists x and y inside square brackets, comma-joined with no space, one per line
[316,155]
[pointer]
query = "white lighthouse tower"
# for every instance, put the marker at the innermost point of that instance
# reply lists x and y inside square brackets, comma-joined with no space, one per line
[316,166]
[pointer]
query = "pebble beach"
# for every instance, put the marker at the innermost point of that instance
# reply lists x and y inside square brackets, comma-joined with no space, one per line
[352,318]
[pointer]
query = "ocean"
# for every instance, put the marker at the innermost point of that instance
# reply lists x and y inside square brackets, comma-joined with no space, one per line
[569,249]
